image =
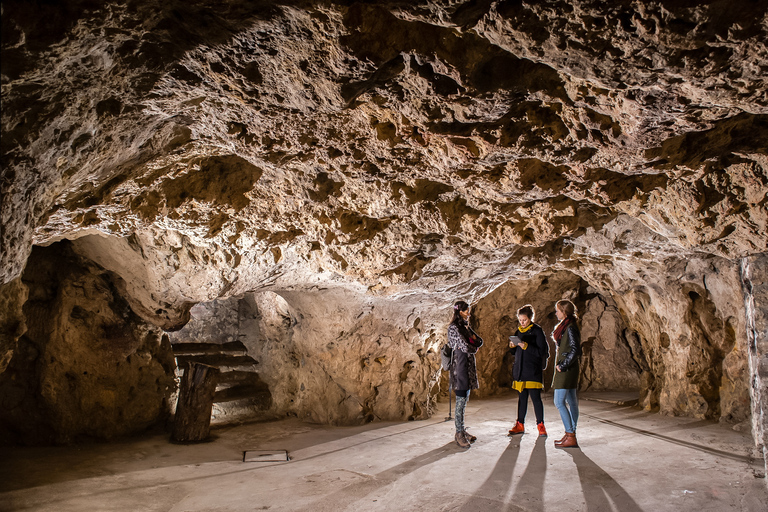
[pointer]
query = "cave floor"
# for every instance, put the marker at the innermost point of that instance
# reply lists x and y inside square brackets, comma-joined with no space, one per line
[629,460]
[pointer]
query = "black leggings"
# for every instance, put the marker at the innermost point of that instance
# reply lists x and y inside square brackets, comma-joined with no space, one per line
[522,405]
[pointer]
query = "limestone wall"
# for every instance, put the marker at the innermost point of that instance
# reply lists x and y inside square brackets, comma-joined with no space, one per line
[330,356]
[86,365]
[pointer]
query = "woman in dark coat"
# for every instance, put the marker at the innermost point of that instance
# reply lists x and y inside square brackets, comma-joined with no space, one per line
[463,370]
[566,378]
[531,355]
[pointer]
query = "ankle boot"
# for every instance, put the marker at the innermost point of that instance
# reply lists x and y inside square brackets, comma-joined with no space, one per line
[461,440]
[469,437]
[517,429]
[560,441]
[569,442]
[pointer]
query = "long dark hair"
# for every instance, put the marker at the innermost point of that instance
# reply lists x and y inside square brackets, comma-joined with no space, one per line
[457,308]
[569,310]
[459,322]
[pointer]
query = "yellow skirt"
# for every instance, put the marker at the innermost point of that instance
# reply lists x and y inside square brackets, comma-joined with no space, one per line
[521,385]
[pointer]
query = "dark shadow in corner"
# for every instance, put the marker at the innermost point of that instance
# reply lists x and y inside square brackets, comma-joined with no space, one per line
[529,492]
[345,496]
[599,488]
[491,495]
[77,455]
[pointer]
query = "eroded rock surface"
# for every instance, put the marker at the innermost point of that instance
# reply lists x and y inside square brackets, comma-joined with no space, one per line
[369,163]
[324,359]
[87,364]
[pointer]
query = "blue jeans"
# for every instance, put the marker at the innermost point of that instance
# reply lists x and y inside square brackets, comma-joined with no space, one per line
[570,414]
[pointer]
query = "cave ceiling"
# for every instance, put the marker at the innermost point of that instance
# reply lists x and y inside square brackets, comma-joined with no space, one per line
[207,149]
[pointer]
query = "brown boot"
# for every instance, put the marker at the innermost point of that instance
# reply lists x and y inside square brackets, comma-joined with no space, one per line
[569,442]
[560,441]
[469,437]
[462,440]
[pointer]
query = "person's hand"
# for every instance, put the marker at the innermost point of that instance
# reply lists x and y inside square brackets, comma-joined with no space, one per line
[559,369]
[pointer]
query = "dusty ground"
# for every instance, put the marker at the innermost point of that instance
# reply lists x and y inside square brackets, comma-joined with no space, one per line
[629,460]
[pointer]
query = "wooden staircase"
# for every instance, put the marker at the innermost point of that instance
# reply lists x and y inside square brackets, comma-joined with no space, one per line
[240,392]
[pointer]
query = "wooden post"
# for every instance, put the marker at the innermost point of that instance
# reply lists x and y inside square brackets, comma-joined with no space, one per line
[193,410]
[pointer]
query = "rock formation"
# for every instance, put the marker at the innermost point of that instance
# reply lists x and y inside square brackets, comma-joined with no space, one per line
[87,364]
[334,174]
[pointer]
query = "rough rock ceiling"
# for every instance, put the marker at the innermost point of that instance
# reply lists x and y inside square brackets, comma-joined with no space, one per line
[206,149]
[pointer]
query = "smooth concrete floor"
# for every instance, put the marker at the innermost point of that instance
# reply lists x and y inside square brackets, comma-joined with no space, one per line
[629,460]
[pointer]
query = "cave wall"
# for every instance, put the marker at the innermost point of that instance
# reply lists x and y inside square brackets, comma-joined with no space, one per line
[674,330]
[87,365]
[609,360]
[341,356]
[613,359]
[690,324]
[13,295]
[378,356]
[400,154]
[330,356]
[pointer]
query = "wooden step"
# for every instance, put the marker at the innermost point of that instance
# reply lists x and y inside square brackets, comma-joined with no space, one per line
[257,394]
[223,362]
[237,377]
[232,348]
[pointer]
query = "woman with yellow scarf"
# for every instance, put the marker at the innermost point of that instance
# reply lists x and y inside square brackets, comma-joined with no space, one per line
[531,355]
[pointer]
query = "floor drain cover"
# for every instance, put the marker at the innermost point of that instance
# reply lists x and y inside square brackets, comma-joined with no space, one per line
[265,456]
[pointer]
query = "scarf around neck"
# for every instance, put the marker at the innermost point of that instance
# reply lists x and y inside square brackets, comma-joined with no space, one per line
[560,329]
[525,329]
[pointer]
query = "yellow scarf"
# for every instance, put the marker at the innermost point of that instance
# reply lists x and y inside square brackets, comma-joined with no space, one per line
[526,329]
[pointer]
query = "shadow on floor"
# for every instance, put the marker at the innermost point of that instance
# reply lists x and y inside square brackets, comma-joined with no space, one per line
[346,443]
[492,494]
[601,492]
[529,492]
[345,496]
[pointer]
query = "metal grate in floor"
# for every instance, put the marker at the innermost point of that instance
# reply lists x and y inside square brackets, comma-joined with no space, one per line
[265,456]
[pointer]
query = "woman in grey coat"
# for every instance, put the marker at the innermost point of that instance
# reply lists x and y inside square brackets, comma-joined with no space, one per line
[463,370]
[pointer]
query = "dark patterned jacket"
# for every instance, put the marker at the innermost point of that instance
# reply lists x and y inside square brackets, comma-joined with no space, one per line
[464,368]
